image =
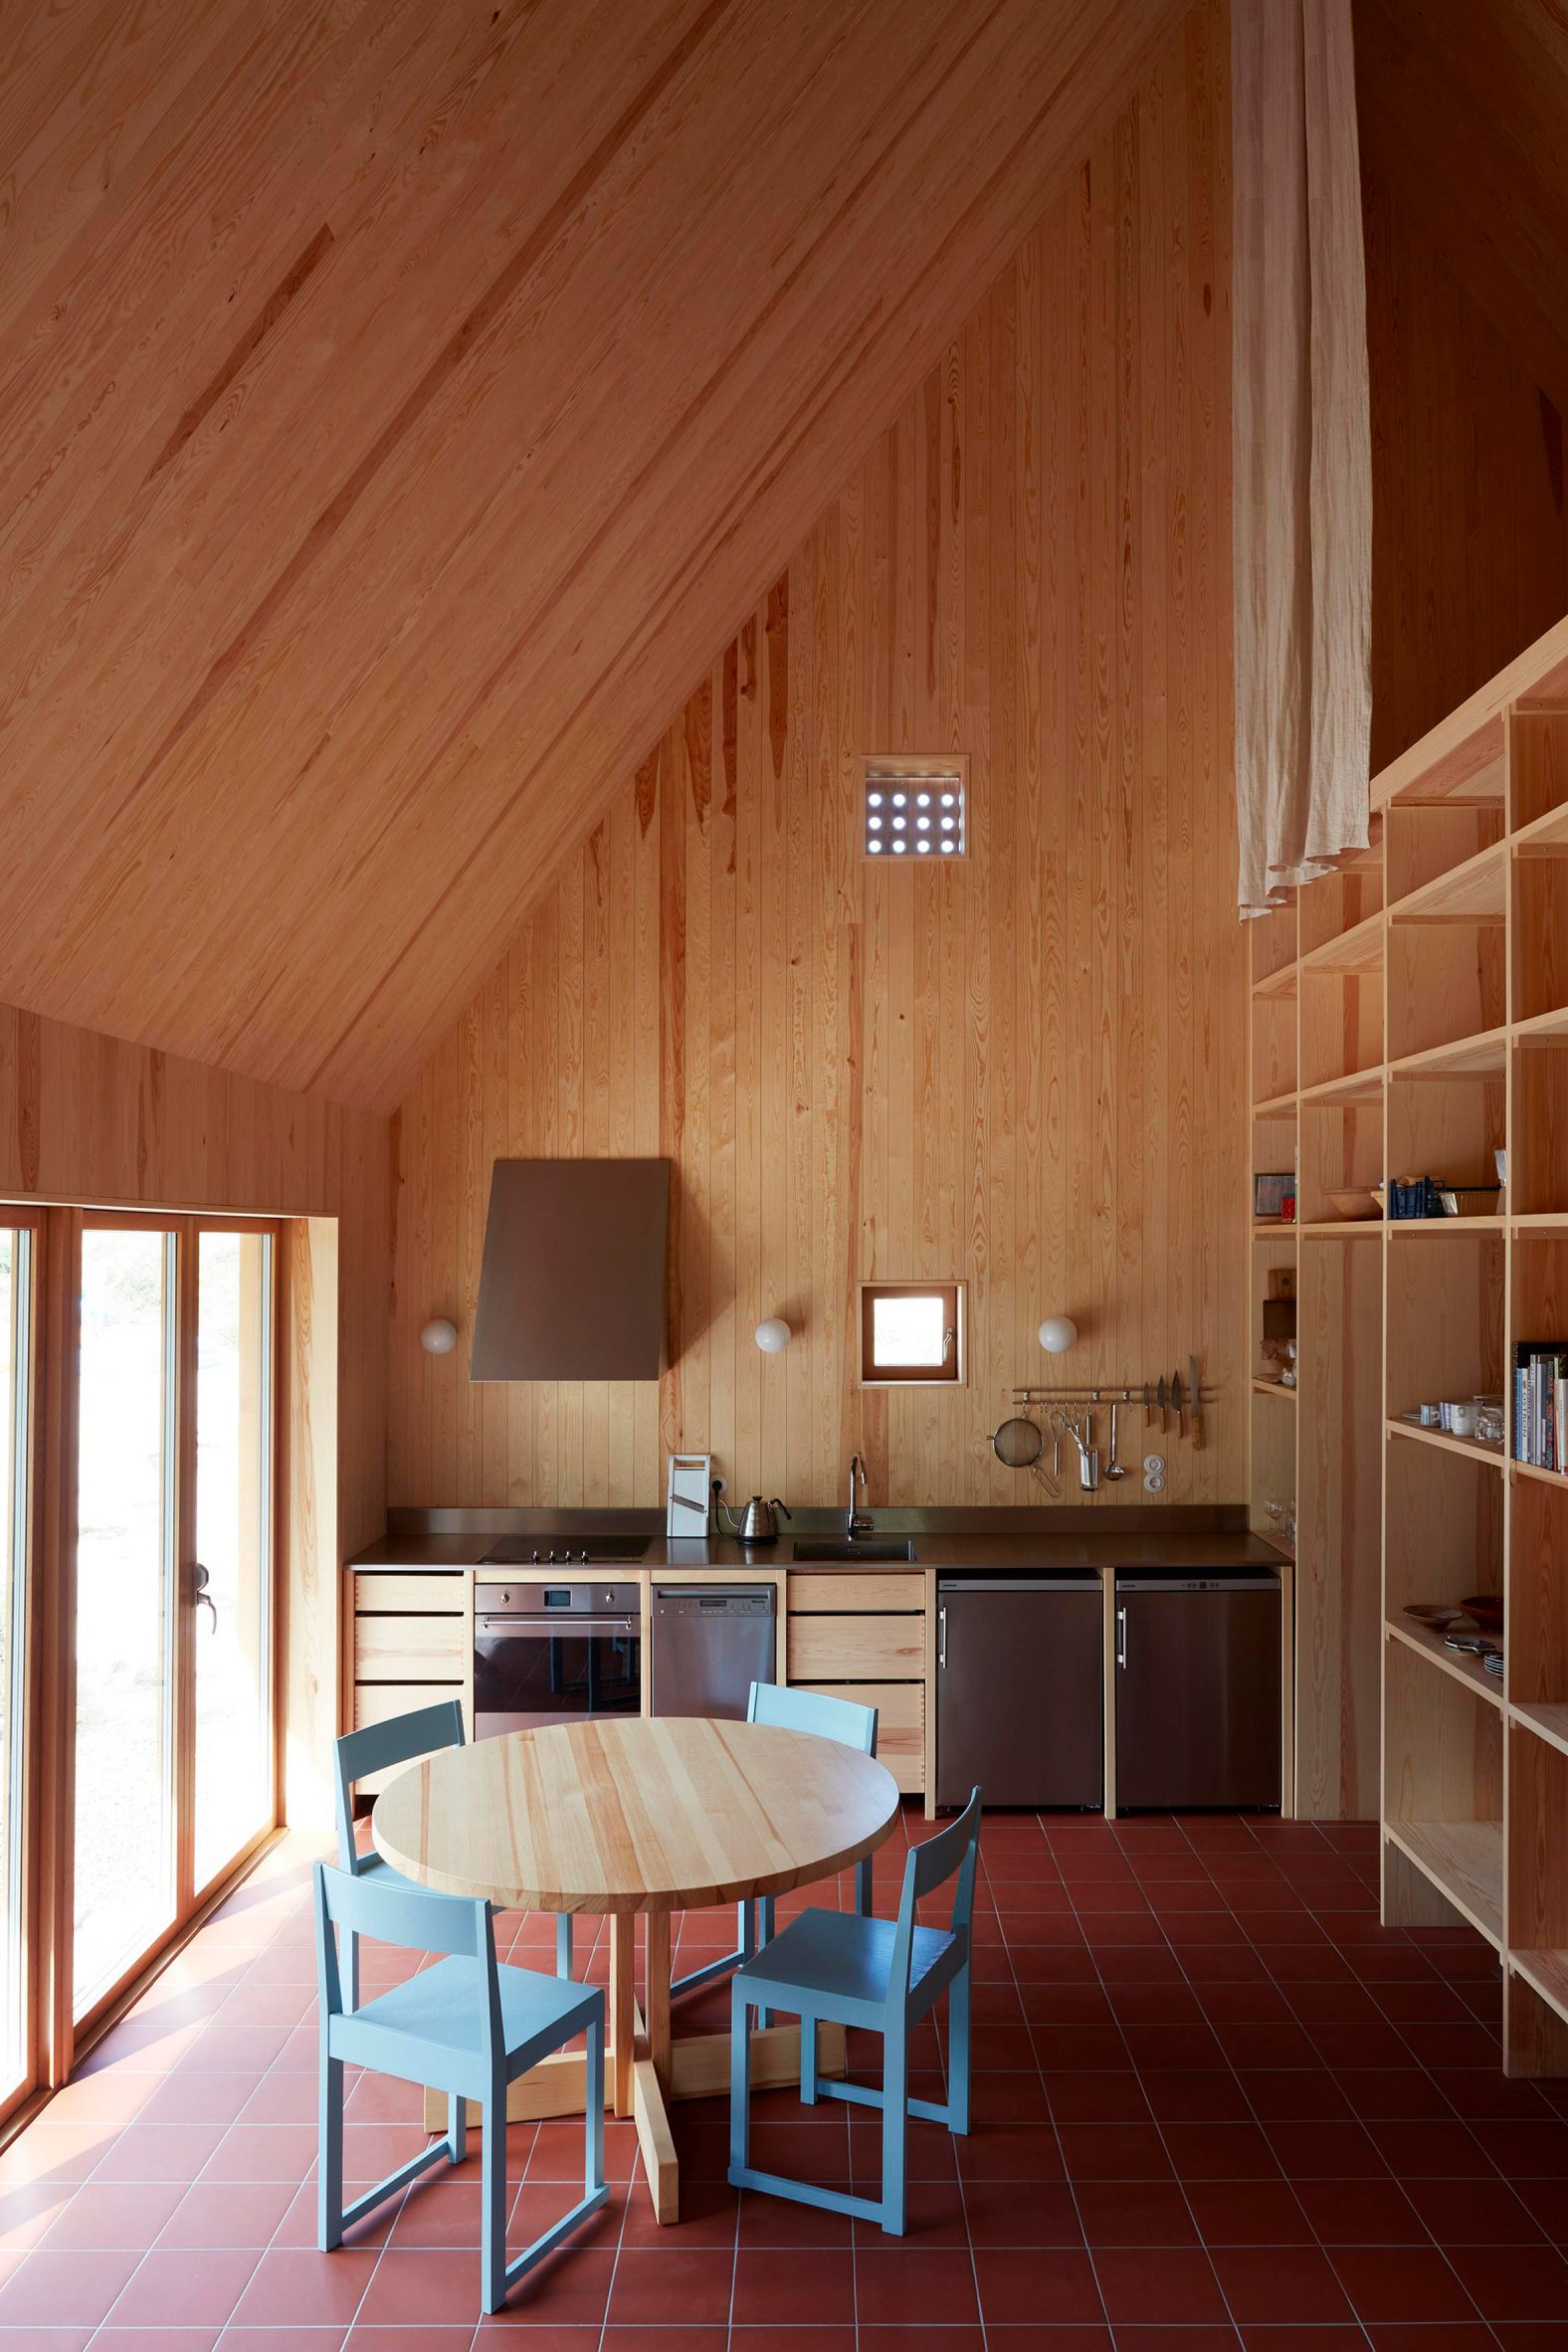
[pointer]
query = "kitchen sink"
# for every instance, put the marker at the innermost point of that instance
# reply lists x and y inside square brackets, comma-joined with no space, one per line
[846,1551]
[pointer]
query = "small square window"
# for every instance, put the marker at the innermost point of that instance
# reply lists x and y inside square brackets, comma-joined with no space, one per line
[912,1331]
[916,807]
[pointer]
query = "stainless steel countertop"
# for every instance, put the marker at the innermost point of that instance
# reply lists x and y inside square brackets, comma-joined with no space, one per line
[978,1550]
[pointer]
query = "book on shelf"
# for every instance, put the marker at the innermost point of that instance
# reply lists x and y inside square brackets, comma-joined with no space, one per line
[1541,1402]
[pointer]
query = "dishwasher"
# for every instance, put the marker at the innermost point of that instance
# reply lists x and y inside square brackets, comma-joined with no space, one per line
[1020,1690]
[709,1643]
[1198,1681]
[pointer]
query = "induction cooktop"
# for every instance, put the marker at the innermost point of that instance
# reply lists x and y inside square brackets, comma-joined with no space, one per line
[564,1551]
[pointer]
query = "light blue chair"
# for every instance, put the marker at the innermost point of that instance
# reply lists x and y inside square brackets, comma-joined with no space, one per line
[401,1739]
[468,2026]
[853,1727]
[881,1975]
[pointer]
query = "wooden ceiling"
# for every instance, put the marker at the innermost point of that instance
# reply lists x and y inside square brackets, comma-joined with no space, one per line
[1464,108]
[399,400]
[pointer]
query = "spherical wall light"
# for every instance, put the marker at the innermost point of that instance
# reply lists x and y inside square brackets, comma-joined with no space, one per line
[773,1335]
[1058,1333]
[439,1337]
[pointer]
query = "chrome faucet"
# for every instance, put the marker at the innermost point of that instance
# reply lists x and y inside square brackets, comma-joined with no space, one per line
[856,1522]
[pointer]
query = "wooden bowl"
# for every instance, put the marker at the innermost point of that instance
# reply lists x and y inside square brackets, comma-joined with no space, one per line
[1486,1609]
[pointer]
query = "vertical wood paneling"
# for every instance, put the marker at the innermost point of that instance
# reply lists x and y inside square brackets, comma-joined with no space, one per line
[1022,1070]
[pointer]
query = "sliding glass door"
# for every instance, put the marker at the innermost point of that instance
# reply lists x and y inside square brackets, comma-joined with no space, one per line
[173,1653]
[232,1571]
[123,1847]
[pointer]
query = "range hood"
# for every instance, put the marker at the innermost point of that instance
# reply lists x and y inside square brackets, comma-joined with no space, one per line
[572,1281]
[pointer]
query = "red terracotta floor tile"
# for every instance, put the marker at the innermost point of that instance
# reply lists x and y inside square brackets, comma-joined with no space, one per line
[1361,2212]
[670,2285]
[63,2290]
[903,2286]
[776,2288]
[1034,2286]
[174,2290]
[1164,2285]
[1400,2283]
[1280,2284]
[1134,2212]
[1250,2212]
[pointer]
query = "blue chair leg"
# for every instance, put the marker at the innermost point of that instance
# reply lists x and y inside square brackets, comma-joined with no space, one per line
[863,1888]
[350,1971]
[456,2127]
[808,2062]
[563,1943]
[765,1917]
[593,2120]
[958,2051]
[895,2091]
[493,2196]
[739,2081]
[329,2164]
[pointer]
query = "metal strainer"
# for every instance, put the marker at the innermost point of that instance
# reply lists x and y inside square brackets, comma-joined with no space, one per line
[1019,1442]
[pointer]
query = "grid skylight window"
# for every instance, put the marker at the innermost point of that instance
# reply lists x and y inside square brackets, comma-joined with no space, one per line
[916,808]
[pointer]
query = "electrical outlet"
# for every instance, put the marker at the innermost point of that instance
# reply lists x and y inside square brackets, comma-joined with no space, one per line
[1154,1464]
[1153,1483]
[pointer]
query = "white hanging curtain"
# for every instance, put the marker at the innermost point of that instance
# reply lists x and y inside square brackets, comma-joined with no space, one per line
[1302,448]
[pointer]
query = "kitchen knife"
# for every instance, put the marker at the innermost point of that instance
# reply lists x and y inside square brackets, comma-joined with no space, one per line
[1176,1400]
[1194,1403]
[1159,1398]
[1148,1406]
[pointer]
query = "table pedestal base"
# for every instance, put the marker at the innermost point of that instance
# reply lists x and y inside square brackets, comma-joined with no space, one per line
[646,2066]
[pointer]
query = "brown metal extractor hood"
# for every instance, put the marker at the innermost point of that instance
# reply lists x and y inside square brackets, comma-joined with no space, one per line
[572,1281]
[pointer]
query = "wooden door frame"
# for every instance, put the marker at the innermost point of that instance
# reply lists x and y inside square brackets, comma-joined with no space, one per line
[54,2036]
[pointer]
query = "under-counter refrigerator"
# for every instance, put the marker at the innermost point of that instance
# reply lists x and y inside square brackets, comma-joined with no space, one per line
[1020,1690]
[1198,1690]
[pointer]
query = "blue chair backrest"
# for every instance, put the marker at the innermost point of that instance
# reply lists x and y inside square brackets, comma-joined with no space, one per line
[394,1912]
[952,1851]
[843,1719]
[399,1740]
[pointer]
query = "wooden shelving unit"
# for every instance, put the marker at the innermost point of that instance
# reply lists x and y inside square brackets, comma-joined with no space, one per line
[1428,982]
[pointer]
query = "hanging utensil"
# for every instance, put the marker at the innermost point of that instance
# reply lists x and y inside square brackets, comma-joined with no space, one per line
[1148,1406]
[1178,1401]
[1195,1404]
[1159,1398]
[1114,1468]
[1019,1442]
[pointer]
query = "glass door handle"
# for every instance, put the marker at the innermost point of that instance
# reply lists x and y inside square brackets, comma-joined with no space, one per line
[200,1579]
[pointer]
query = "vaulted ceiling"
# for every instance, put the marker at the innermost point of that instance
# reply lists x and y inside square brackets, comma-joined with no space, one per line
[1464,106]
[399,399]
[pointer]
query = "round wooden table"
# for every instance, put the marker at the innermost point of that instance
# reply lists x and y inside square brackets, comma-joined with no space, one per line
[632,1815]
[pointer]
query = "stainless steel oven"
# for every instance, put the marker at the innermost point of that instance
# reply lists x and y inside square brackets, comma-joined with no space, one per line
[552,1653]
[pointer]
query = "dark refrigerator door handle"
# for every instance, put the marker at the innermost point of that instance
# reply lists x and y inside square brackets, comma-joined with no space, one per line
[1122,1635]
[941,1637]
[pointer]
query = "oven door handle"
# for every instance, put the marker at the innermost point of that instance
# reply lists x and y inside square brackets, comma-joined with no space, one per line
[535,1627]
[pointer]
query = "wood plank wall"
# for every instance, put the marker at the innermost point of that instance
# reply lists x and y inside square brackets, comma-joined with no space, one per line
[1470,534]
[1023,1070]
[90,1118]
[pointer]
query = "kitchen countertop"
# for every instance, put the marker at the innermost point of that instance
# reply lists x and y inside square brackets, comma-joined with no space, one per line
[981,1550]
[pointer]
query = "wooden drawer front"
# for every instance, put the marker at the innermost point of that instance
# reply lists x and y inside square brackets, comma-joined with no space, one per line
[901,1724]
[815,1590]
[436,1595]
[857,1648]
[409,1648]
[376,1702]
